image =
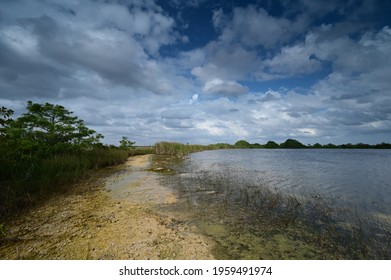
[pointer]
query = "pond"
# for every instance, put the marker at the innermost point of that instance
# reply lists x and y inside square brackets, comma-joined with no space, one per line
[287,204]
[355,178]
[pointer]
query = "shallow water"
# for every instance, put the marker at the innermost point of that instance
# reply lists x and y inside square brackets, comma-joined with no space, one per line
[238,199]
[229,197]
[355,178]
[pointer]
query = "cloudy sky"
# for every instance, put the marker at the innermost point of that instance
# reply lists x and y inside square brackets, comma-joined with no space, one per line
[204,71]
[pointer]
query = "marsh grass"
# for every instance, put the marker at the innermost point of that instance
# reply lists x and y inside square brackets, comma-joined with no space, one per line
[137,151]
[250,221]
[24,181]
[178,149]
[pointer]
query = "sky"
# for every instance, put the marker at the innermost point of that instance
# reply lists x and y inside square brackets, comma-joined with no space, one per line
[204,72]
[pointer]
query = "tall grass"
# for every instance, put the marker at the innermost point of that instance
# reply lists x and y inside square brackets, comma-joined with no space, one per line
[23,181]
[178,149]
[136,151]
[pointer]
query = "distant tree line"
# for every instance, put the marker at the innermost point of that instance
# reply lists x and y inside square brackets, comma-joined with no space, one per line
[294,144]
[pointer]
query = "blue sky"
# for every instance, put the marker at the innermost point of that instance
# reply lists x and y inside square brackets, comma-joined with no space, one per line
[204,71]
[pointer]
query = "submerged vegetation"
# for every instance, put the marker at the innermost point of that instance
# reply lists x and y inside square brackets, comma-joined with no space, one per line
[254,222]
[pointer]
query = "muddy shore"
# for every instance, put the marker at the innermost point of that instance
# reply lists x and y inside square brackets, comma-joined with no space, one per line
[114,214]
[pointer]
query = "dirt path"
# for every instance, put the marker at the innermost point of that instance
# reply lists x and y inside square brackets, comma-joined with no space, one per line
[91,222]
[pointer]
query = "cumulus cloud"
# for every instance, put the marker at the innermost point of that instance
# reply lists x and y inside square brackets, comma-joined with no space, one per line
[228,88]
[56,43]
[254,26]
[291,61]
[105,61]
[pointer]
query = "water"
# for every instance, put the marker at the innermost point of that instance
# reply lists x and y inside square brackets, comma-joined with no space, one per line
[355,178]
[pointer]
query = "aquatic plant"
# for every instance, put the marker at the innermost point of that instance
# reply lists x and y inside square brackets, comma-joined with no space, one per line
[246,219]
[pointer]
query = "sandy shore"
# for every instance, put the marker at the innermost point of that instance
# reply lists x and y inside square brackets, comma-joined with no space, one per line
[108,216]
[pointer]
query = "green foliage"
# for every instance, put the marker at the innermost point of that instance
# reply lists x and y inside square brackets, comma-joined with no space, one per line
[125,143]
[3,231]
[48,129]
[43,150]
[330,146]
[5,119]
[242,144]
[271,145]
[383,146]
[292,144]
[177,149]
[22,181]
[136,151]
[220,146]
[317,146]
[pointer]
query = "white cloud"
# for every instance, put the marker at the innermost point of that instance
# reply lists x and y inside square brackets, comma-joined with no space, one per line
[101,59]
[253,27]
[225,88]
[292,61]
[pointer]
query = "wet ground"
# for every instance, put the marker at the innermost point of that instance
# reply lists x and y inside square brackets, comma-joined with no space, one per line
[114,214]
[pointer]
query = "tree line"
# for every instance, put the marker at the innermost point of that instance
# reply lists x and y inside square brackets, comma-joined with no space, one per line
[295,144]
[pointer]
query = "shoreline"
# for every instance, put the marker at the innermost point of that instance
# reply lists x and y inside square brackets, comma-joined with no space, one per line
[92,222]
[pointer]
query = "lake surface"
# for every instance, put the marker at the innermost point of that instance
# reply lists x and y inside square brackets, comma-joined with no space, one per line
[355,178]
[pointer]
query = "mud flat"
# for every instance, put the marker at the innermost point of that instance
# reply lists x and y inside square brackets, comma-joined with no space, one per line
[114,214]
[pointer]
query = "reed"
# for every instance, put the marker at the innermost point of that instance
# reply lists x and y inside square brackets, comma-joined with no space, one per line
[137,151]
[23,181]
[177,149]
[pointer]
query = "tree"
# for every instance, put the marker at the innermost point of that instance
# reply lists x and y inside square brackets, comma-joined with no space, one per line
[292,144]
[242,144]
[330,146]
[6,147]
[49,128]
[5,119]
[125,143]
[256,146]
[271,145]
[317,146]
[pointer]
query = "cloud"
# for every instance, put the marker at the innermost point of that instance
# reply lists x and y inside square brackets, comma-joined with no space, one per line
[226,88]
[105,61]
[64,47]
[360,74]
[252,27]
[291,61]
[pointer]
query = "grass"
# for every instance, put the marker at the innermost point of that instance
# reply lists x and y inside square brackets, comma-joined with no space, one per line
[136,151]
[24,181]
[250,221]
[178,149]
